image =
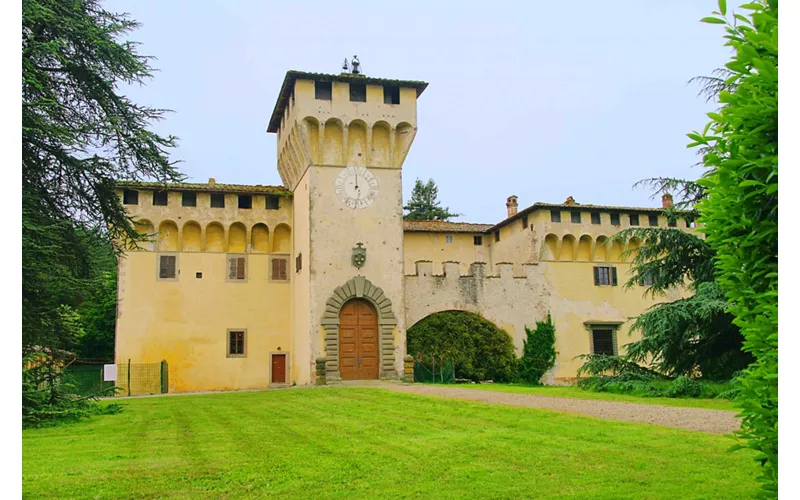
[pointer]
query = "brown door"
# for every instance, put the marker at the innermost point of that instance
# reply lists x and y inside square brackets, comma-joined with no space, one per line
[278,368]
[358,341]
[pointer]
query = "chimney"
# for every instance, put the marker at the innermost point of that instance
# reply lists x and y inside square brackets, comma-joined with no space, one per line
[666,200]
[511,205]
[211,180]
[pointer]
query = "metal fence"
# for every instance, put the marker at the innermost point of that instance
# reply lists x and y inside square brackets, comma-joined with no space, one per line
[133,379]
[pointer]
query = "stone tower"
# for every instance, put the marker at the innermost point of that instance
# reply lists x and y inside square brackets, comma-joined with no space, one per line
[342,140]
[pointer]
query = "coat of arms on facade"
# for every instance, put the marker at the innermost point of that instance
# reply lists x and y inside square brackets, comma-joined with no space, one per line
[359,255]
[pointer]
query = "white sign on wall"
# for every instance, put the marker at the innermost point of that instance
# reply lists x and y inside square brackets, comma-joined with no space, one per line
[109,373]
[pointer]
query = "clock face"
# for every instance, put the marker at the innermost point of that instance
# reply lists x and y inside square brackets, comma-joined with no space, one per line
[356,187]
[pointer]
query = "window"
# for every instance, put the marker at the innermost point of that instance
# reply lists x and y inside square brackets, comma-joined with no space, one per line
[391,95]
[524,222]
[245,201]
[198,275]
[605,275]
[167,267]
[189,199]
[358,92]
[603,341]
[159,198]
[477,240]
[130,197]
[237,268]
[555,216]
[653,220]
[615,219]
[576,217]
[448,238]
[278,269]
[595,217]
[236,339]
[323,90]
[690,222]
[217,200]
[634,219]
[672,223]
[273,202]
[647,280]
[497,235]
[298,263]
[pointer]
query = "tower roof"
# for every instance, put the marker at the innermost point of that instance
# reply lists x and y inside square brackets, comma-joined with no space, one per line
[292,75]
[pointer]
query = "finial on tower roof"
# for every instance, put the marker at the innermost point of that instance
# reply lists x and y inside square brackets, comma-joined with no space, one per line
[356,65]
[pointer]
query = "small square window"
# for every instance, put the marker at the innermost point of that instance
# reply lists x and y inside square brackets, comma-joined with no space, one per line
[605,275]
[497,235]
[358,92]
[448,238]
[672,223]
[278,267]
[690,223]
[615,219]
[273,202]
[647,280]
[576,217]
[391,95]
[198,275]
[634,219]
[323,90]
[236,340]
[130,197]
[160,198]
[603,341]
[652,220]
[237,268]
[477,240]
[245,201]
[524,222]
[217,200]
[167,267]
[189,199]
[595,217]
[555,215]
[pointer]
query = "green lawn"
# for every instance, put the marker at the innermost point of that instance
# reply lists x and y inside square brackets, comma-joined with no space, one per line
[577,392]
[359,443]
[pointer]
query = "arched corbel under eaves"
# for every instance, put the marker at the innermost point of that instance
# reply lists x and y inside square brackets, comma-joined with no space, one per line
[359,287]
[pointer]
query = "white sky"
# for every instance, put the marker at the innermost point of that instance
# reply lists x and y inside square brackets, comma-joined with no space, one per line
[543,100]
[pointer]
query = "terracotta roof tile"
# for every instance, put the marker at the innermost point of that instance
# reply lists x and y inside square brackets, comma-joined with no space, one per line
[217,188]
[440,226]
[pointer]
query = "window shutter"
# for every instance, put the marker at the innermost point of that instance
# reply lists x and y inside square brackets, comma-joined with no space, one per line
[596,276]
[283,269]
[240,268]
[275,269]
[232,271]
[614,276]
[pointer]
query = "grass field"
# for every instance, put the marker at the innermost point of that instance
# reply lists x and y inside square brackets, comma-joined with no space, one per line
[360,443]
[577,392]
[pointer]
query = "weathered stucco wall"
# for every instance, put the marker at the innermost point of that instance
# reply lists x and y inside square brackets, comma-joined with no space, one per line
[303,350]
[186,321]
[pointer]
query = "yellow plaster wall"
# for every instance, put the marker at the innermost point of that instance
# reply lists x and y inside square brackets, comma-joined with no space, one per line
[303,355]
[433,247]
[185,322]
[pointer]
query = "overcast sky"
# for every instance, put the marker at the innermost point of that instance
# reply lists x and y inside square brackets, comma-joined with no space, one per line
[543,100]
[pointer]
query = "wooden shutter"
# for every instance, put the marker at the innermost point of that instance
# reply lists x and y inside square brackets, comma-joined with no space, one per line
[240,268]
[282,273]
[166,267]
[596,276]
[232,270]
[614,276]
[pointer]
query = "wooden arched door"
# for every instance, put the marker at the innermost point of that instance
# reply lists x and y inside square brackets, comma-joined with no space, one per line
[358,341]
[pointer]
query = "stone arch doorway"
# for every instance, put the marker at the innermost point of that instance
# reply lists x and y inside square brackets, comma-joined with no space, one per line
[359,288]
[358,341]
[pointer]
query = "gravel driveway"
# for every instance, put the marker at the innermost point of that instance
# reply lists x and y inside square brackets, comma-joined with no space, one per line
[693,419]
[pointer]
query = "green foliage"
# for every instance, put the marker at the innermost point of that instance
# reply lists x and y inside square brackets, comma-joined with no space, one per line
[48,397]
[79,136]
[538,352]
[478,348]
[684,387]
[424,205]
[740,214]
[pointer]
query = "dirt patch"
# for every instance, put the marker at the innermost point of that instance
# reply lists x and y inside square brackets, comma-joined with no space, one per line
[693,419]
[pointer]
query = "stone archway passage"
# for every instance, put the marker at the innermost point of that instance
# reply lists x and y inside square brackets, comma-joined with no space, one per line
[358,341]
[359,288]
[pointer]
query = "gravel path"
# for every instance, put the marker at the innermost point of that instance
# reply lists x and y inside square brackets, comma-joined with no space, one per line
[693,419]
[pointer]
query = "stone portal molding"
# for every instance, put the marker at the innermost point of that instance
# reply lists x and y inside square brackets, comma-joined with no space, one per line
[362,288]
